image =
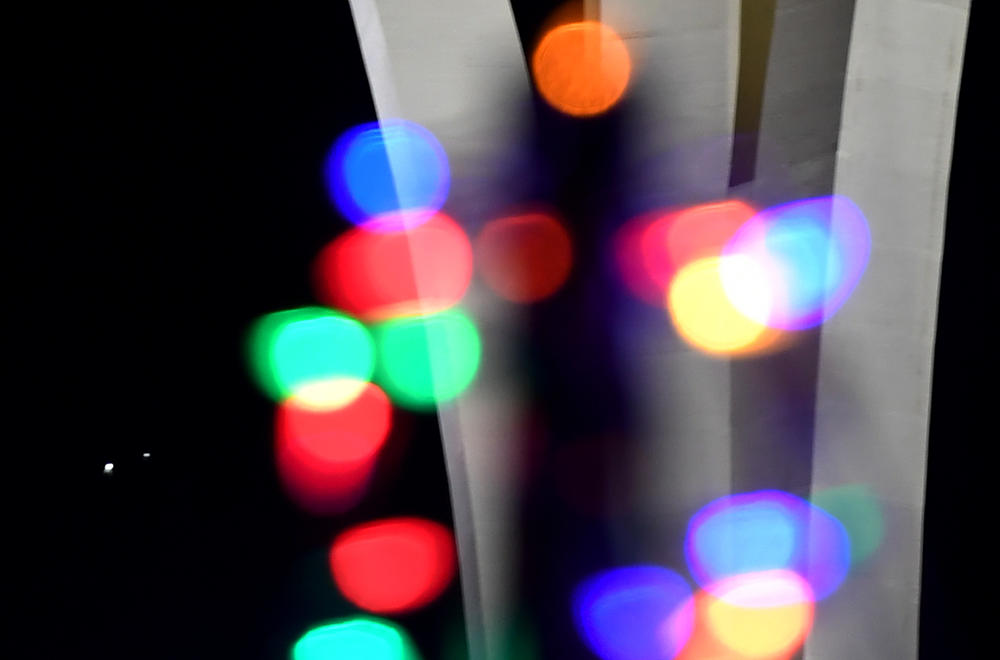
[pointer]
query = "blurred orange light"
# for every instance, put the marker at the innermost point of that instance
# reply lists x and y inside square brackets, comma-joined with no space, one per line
[524,258]
[377,275]
[325,456]
[395,565]
[581,68]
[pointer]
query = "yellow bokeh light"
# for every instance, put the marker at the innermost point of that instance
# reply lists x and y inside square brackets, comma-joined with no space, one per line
[705,316]
[328,394]
[762,615]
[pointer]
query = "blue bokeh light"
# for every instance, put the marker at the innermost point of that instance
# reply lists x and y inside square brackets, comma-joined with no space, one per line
[634,613]
[814,250]
[767,530]
[806,254]
[392,174]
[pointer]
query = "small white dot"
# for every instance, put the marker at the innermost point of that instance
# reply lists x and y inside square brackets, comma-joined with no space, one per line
[145,454]
[109,468]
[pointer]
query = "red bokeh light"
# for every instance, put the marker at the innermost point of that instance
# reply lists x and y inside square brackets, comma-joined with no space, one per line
[325,457]
[376,275]
[394,565]
[524,258]
[652,248]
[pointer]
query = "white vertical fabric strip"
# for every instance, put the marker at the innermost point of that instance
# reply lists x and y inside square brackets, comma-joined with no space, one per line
[873,394]
[773,398]
[803,96]
[456,67]
[375,54]
[679,142]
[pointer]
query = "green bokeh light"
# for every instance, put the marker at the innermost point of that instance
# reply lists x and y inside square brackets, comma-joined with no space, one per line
[857,507]
[360,638]
[425,360]
[302,346]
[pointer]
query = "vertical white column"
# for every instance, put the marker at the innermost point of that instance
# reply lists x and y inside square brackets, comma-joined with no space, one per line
[457,68]
[679,140]
[876,354]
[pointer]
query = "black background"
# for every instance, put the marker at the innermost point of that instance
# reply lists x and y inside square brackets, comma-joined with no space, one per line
[168,193]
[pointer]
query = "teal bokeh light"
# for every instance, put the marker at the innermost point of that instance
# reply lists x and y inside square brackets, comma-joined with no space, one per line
[299,347]
[377,170]
[355,639]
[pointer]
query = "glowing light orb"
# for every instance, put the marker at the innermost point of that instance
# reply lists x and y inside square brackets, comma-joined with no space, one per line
[581,68]
[326,456]
[634,613]
[812,253]
[524,258]
[395,172]
[371,639]
[767,530]
[426,360]
[393,566]
[761,615]
[757,616]
[652,248]
[858,508]
[306,350]
[705,316]
[380,275]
